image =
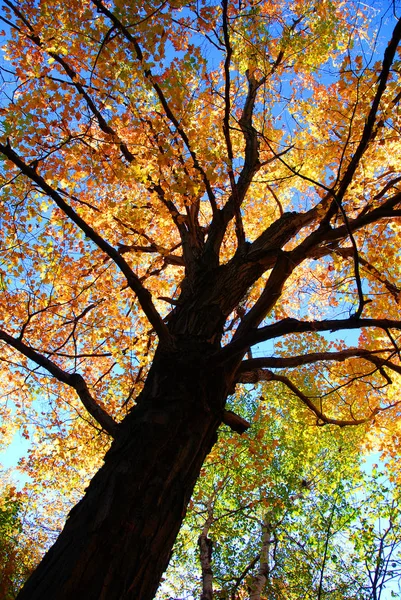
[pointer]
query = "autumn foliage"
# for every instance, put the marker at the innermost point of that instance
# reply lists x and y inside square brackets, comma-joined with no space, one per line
[195,197]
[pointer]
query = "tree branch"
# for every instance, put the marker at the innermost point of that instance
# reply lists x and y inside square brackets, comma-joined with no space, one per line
[143,295]
[74,380]
[162,98]
[260,579]
[104,126]
[227,100]
[369,130]
[249,369]
[235,422]
[289,326]
[251,166]
[394,290]
[385,211]
[321,417]
[206,548]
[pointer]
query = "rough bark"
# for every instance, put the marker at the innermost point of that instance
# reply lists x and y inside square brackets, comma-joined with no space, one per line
[117,540]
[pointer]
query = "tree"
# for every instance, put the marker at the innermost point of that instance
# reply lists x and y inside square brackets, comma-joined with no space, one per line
[16,557]
[275,526]
[180,182]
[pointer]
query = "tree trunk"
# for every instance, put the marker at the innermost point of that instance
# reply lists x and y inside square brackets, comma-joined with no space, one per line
[261,578]
[117,541]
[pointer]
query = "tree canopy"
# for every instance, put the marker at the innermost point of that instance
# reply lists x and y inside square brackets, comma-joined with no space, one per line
[197,199]
[268,524]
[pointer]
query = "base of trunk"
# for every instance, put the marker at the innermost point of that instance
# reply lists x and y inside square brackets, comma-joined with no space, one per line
[117,541]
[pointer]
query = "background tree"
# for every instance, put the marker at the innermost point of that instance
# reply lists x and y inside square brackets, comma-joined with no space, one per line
[305,521]
[180,182]
[17,554]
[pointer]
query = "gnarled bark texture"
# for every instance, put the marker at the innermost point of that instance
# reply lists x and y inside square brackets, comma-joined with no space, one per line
[117,540]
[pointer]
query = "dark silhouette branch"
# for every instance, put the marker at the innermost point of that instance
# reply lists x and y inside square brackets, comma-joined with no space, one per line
[392,183]
[266,250]
[369,130]
[309,247]
[377,275]
[326,548]
[162,98]
[276,199]
[268,298]
[104,126]
[290,326]
[74,380]
[355,257]
[249,369]
[143,295]
[188,227]
[322,419]
[239,227]
[170,259]
[227,90]
[235,422]
[251,166]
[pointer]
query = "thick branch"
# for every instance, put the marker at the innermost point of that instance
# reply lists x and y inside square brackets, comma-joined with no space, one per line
[290,326]
[383,362]
[235,422]
[170,259]
[249,369]
[239,227]
[144,296]
[266,252]
[238,580]
[268,298]
[227,91]
[265,249]
[368,134]
[386,211]
[206,548]
[251,166]
[74,380]
[369,129]
[252,163]
[260,580]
